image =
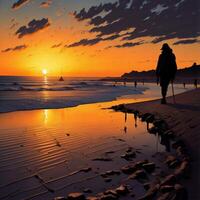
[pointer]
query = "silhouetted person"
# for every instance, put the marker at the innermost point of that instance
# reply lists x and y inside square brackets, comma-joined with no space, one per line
[184,85]
[15,83]
[125,79]
[166,69]
[195,83]
[135,84]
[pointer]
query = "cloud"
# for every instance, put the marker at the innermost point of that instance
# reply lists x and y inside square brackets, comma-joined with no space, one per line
[162,20]
[45,4]
[162,38]
[14,25]
[56,45]
[91,42]
[33,27]
[19,3]
[85,42]
[189,41]
[93,11]
[129,44]
[17,48]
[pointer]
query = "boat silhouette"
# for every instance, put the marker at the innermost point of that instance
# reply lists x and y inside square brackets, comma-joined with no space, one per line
[61,79]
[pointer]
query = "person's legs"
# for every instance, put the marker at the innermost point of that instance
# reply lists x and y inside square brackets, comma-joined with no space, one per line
[164,86]
[164,93]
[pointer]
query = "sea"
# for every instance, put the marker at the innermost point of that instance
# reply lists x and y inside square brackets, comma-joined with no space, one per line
[29,93]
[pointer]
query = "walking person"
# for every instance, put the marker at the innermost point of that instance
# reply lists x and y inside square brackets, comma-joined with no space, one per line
[166,70]
[195,83]
[135,84]
[125,79]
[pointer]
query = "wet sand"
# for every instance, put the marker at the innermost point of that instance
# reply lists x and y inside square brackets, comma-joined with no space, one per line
[51,153]
[183,118]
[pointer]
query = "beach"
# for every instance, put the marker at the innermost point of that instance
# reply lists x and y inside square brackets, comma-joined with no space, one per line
[81,84]
[183,117]
[87,150]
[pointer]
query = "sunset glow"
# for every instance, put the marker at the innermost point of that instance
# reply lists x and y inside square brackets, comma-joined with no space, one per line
[68,42]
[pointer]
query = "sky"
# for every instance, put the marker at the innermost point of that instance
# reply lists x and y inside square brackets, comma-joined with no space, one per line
[95,38]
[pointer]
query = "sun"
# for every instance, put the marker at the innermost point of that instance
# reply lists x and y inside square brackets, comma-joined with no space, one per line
[44,72]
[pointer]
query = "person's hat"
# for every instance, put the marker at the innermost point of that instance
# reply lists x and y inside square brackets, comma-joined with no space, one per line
[165,46]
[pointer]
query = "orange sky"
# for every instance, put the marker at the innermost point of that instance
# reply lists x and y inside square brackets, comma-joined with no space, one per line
[96,60]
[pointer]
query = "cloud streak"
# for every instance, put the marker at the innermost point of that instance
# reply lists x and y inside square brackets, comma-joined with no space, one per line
[93,41]
[85,42]
[56,46]
[45,4]
[32,27]
[17,48]
[129,44]
[19,4]
[189,41]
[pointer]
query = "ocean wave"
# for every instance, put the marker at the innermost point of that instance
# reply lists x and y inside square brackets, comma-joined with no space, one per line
[25,84]
[33,100]
[52,86]
[21,88]
[89,84]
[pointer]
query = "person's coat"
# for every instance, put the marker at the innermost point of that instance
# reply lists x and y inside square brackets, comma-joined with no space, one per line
[166,67]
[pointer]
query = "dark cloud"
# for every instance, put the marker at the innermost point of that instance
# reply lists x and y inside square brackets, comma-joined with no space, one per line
[91,42]
[33,27]
[129,44]
[112,37]
[17,48]
[56,45]
[19,3]
[93,11]
[85,42]
[189,41]
[46,4]
[160,19]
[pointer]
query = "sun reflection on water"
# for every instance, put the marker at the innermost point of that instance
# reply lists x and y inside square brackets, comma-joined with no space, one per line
[45,114]
[45,80]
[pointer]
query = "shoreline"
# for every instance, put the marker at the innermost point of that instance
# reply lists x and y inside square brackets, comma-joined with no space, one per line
[183,119]
[70,153]
[178,80]
[38,100]
[10,105]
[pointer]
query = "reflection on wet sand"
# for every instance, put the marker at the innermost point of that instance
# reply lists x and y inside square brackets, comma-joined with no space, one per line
[44,152]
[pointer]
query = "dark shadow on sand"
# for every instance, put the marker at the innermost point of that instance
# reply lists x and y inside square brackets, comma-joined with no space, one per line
[184,107]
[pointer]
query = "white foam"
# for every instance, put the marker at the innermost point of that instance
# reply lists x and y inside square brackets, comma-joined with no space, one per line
[63,97]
